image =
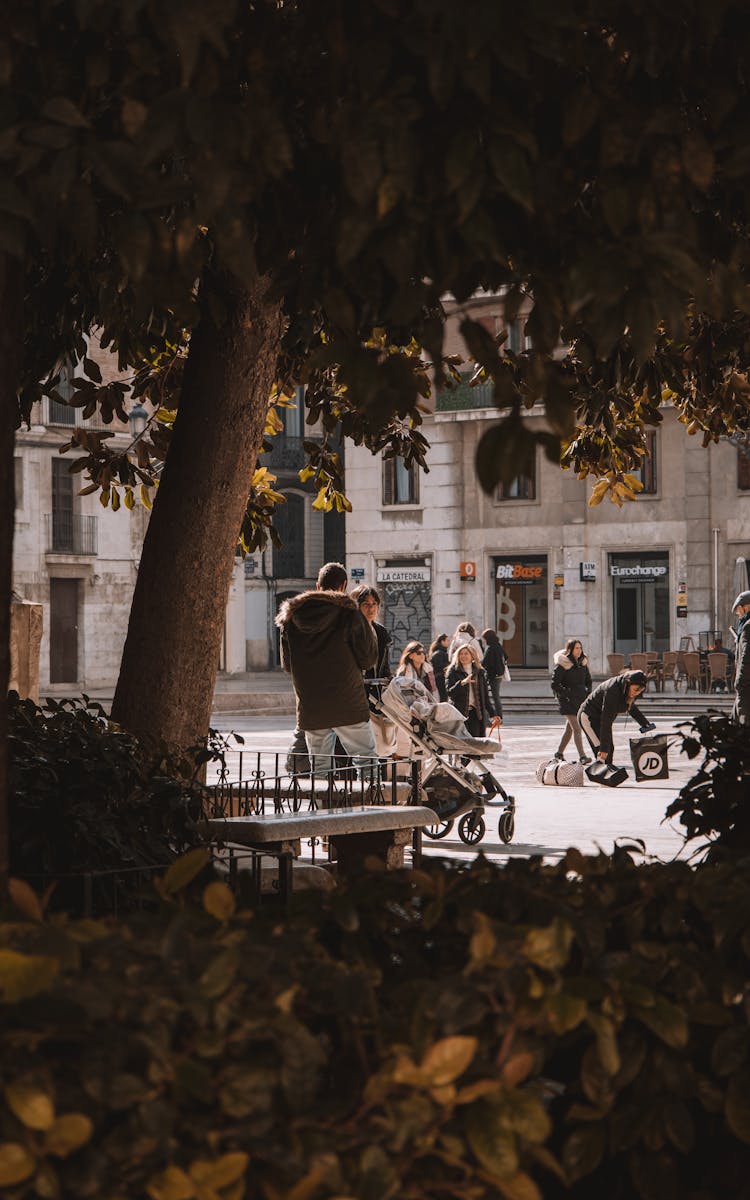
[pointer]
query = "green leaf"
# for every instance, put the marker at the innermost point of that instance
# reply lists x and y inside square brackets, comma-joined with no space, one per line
[490,1139]
[583,1151]
[549,948]
[667,1021]
[23,975]
[33,1107]
[69,1133]
[184,871]
[218,900]
[64,111]
[16,1164]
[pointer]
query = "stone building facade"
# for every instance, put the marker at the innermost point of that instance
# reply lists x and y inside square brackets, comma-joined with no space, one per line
[534,560]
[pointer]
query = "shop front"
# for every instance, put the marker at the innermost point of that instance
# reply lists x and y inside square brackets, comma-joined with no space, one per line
[640,600]
[521,617]
[406,604]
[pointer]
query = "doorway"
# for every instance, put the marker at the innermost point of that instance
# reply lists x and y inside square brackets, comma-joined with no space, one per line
[63,631]
[640,595]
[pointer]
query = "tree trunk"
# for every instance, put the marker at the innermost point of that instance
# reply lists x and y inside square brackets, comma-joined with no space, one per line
[169,664]
[11,340]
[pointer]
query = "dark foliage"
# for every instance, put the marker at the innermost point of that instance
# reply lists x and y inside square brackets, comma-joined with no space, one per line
[87,797]
[578,1030]
[715,803]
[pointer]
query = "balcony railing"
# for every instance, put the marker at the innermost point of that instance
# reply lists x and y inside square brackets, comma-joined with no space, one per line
[68,533]
[64,417]
[462,396]
[286,453]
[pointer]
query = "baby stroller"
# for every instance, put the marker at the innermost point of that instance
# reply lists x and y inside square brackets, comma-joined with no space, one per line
[453,778]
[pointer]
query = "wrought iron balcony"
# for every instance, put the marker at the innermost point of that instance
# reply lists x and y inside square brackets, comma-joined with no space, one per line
[69,533]
[462,396]
[286,453]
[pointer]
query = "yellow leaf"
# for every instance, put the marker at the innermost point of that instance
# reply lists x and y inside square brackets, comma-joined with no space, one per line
[182,872]
[16,1164]
[23,975]
[633,483]
[115,499]
[606,1042]
[474,1091]
[306,473]
[285,1000]
[406,1071]
[517,1068]
[218,900]
[444,1095]
[104,497]
[483,942]
[25,899]
[69,1133]
[221,1172]
[320,503]
[448,1059]
[33,1107]
[519,1187]
[129,499]
[145,497]
[167,416]
[549,947]
[171,1184]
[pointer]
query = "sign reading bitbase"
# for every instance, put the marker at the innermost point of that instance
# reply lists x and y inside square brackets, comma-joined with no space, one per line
[519,573]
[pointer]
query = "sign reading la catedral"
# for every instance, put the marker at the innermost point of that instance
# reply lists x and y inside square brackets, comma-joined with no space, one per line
[403,574]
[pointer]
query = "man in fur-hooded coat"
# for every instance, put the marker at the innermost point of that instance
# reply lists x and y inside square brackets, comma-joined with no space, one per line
[326,644]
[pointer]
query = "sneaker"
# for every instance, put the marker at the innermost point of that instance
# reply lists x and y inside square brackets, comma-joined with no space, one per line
[558,756]
[585,760]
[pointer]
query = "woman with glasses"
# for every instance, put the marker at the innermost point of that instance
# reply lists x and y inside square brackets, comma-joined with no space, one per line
[413,665]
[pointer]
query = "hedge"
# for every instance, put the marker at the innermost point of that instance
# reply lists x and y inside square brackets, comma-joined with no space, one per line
[573,1030]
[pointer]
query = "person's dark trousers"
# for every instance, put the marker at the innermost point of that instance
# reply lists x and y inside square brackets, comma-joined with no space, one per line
[495,686]
[593,733]
[474,723]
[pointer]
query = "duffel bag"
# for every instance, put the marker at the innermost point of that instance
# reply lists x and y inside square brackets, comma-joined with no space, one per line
[559,773]
[606,773]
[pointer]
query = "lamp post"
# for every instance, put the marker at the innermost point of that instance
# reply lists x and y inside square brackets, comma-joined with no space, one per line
[138,420]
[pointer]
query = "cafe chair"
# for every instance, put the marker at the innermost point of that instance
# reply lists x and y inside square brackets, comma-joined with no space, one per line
[640,662]
[670,667]
[717,663]
[616,663]
[693,674]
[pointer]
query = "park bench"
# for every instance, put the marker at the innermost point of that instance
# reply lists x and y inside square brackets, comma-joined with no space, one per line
[354,834]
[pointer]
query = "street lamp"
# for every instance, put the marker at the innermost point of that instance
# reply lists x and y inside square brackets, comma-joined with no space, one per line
[138,419]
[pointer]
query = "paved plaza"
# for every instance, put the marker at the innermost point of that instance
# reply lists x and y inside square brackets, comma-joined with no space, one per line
[548,819]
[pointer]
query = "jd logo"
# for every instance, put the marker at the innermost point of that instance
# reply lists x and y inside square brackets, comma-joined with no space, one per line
[650,763]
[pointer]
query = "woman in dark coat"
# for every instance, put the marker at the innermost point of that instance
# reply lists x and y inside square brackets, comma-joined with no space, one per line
[571,683]
[494,663]
[607,701]
[368,599]
[467,686]
[438,658]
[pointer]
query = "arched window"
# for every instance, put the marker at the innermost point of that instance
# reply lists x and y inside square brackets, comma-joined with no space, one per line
[289,561]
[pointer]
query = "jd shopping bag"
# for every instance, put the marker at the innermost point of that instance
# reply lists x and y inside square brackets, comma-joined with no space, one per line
[649,755]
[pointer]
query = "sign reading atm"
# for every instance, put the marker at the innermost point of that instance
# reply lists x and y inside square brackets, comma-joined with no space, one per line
[519,572]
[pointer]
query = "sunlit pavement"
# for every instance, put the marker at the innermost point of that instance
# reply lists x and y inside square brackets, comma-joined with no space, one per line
[548,819]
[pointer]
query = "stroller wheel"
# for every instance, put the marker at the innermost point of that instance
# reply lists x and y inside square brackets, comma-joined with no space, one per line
[441,830]
[471,828]
[506,827]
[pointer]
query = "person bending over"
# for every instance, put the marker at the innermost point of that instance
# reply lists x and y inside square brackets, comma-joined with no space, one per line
[598,712]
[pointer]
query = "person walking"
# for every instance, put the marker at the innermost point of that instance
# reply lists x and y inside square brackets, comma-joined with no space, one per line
[438,659]
[465,635]
[413,665]
[326,644]
[571,684]
[600,708]
[494,663]
[741,712]
[468,689]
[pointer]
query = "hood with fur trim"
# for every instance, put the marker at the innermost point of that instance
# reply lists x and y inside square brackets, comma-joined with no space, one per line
[561,659]
[312,612]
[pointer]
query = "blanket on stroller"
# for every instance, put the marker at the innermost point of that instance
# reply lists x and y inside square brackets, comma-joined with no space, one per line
[406,698]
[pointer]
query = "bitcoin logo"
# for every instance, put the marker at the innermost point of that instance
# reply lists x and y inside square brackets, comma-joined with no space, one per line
[506,614]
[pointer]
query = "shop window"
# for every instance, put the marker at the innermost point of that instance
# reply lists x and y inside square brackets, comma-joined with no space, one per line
[400,483]
[743,470]
[523,487]
[647,470]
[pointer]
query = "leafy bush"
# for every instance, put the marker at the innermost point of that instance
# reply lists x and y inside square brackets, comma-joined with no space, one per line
[578,1030]
[714,803]
[87,797]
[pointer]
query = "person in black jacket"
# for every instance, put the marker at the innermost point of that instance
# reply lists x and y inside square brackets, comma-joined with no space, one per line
[468,689]
[612,697]
[438,659]
[494,663]
[741,608]
[571,684]
[368,599]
